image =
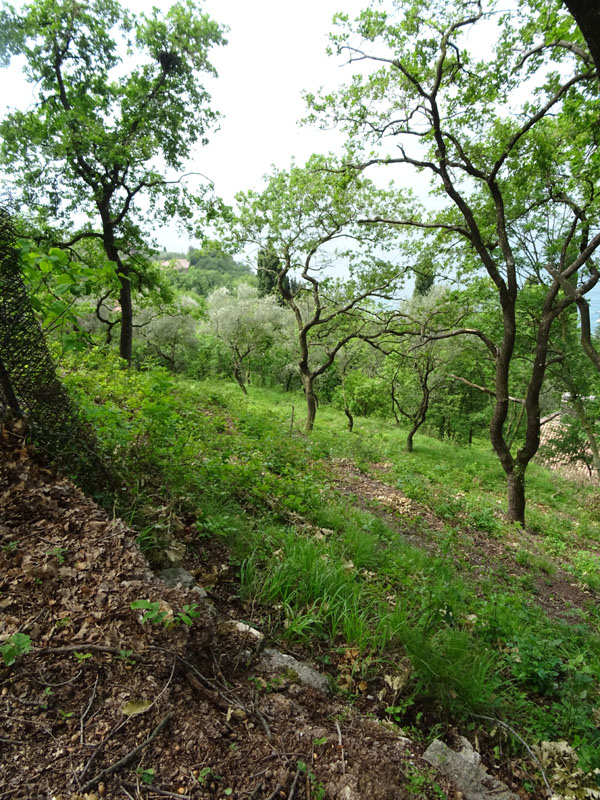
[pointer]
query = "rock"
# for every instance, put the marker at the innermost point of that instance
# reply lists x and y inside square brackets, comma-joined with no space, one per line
[241,627]
[177,576]
[465,769]
[274,661]
[345,788]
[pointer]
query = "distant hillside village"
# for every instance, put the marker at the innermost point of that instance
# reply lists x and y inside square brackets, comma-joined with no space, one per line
[204,270]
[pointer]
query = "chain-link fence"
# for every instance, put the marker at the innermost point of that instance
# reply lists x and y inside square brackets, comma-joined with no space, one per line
[29,385]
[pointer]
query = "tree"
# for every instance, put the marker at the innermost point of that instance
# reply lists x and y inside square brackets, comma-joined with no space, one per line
[300,217]
[246,323]
[88,149]
[579,433]
[587,16]
[416,365]
[210,268]
[267,270]
[171,335]
[519,174]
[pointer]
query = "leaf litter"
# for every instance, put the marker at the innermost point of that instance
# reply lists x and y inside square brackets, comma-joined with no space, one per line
[106,705]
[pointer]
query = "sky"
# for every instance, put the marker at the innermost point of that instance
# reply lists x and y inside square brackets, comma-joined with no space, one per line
[276,50]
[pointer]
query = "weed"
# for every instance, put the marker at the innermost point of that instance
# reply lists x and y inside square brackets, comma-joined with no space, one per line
[58,553]
[328,573]
[15,646]
[205,774]
[146,775]
[81,657]
[317,789]
[420,783]
[125,655]
[537,562]
[160,615]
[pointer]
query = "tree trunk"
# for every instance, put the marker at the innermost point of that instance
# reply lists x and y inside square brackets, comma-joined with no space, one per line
[587,17]
[8,392]
[516,495]
[348,413]
[122,270]
[411,435]
[126,338]
[311,401]
[239,376]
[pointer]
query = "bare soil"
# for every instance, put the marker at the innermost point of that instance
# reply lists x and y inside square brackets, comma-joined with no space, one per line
[105,706]
[108,706]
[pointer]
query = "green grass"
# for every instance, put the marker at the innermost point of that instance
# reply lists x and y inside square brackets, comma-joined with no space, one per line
[328,575]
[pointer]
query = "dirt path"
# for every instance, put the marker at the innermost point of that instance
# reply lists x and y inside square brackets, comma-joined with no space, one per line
[556,592]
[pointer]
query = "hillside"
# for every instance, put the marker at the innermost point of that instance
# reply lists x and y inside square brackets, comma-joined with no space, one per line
[104,705]
[393,575]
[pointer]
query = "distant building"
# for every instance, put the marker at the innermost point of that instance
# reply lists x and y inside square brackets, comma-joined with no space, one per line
[180,264]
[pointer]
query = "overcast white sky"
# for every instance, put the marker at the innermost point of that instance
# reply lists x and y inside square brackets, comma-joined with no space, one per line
[276,49]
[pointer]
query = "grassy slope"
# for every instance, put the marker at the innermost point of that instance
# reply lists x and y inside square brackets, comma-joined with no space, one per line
[441,599]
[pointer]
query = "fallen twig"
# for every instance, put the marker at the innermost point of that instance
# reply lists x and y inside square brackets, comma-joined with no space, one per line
[73,648]
[261,718]
[87,710]
[341,746]
[154,789]
[524,743]
[55,685]
[105,773]
[275,792]
[294,784]
[100,747]
[255,792]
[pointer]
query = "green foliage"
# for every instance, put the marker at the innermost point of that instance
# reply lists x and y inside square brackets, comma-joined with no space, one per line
[146,775]
[319,570]
[365,395]
[158,615]
[518,189]
[209,269]
[15,646]
[89,148]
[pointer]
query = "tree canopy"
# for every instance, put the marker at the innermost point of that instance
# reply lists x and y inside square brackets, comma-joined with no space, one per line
[119,108]
[518,168]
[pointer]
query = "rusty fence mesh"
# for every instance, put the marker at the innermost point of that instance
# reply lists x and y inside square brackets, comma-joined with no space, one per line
[29,385]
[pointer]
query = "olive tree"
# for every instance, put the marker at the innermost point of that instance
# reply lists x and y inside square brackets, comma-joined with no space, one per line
[509,141]
[97,155]
[312,220]
[247,324]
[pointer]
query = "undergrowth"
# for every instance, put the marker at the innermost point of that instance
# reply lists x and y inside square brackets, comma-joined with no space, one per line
[330,575]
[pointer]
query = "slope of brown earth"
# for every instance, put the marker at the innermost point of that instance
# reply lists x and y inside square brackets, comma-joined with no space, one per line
[104,706]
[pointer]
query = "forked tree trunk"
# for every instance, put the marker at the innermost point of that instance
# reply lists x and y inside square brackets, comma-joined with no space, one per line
[238,374]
